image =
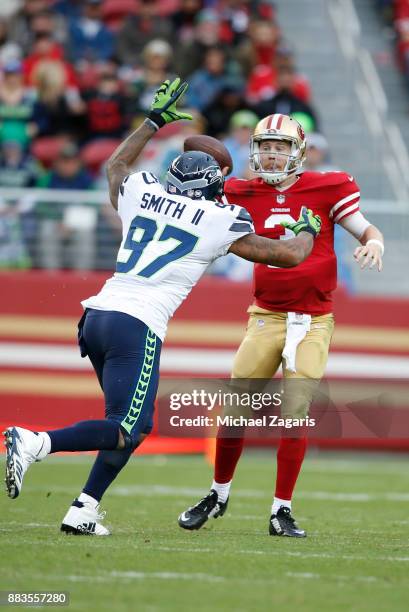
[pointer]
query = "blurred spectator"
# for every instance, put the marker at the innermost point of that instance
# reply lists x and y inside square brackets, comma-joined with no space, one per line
[16,106]
[108,237]
[89,38]
[65,234]
[68,172]
[17,168]
[138,30]
[188,55]
[318,158]
[19,28]
[9,50]
[45,48]
[207,82]
[48,23]
[300,86]
[262,82]
[241,128]
[402,27]
[229,100]
[285,101]
[69,9]
[106,108]
[307,122]
[156,57]
[401,8]
[13,253]
[234,16]
[259,48]
[58,109]
[9,7]
[183,20]
[386,10]
[18,221]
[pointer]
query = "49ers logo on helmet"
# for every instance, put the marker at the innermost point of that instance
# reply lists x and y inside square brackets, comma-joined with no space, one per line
[301,132]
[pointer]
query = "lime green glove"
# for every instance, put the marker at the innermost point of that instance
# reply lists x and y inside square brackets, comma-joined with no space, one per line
[307,222]
[163,107]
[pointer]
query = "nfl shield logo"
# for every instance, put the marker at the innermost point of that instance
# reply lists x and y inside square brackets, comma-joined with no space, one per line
[280,199]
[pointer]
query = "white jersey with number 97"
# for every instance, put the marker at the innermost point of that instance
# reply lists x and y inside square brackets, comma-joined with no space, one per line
[168,242]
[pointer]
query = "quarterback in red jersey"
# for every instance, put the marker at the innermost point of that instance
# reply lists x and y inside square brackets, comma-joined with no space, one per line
[308,288]
[291,321]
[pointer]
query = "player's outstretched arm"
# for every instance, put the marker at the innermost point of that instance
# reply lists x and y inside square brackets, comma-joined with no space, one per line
[120,163]
[281,253]
[163,110]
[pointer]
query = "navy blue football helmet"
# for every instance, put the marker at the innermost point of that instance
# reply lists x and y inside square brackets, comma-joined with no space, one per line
[196,175]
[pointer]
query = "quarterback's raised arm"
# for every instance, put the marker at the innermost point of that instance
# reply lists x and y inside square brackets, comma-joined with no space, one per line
[163,110]
[282,253]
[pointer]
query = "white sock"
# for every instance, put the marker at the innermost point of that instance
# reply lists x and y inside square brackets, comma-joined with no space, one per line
[277,503]
[83,497]
[46,445]
[222,490]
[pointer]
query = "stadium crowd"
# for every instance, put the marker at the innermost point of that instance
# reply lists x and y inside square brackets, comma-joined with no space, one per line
[77,75]
[395,14]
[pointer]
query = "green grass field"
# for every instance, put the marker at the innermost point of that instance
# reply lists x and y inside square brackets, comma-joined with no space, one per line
[356,556]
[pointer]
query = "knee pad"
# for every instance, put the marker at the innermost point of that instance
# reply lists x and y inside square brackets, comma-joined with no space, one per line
[297,397]
[134,439]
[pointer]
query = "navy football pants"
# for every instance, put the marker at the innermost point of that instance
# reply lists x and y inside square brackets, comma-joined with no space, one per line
[125,355]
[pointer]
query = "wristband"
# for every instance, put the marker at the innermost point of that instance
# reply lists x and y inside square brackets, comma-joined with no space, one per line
[152,124]
[308,230]
[378,242]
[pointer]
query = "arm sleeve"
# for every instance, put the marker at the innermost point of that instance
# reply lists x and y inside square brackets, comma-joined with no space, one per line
[355,224]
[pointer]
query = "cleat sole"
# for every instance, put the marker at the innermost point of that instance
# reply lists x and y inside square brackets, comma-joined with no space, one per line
[10,479]
[68,530]
[194,527]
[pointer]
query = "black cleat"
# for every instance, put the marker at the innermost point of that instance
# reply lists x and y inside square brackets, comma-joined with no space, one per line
[283,524]
[196,516]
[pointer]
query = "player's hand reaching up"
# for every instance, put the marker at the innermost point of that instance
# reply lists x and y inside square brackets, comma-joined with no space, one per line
[163,108]
[307,222]
[370,253]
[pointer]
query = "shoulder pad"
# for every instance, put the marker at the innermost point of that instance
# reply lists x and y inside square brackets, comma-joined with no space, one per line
[236,186]
[244,215]
[329,179]
[243,222]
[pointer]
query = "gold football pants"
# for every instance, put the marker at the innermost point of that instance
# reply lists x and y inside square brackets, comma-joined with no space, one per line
[260,356]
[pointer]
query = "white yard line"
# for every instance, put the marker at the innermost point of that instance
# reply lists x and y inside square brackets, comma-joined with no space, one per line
[107,543]
[311,575]
[131,576]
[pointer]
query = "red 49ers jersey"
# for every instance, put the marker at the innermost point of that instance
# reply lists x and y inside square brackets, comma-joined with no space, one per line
[308,287]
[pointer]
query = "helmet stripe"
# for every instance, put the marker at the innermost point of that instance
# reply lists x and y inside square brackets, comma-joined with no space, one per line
[279,121]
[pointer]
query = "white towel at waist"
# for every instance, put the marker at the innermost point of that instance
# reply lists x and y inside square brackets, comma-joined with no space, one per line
[297,327]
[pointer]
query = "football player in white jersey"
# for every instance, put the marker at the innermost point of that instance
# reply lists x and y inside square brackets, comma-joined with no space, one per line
[170,236]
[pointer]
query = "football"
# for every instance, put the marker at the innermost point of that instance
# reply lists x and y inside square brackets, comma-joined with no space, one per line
[212,146]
